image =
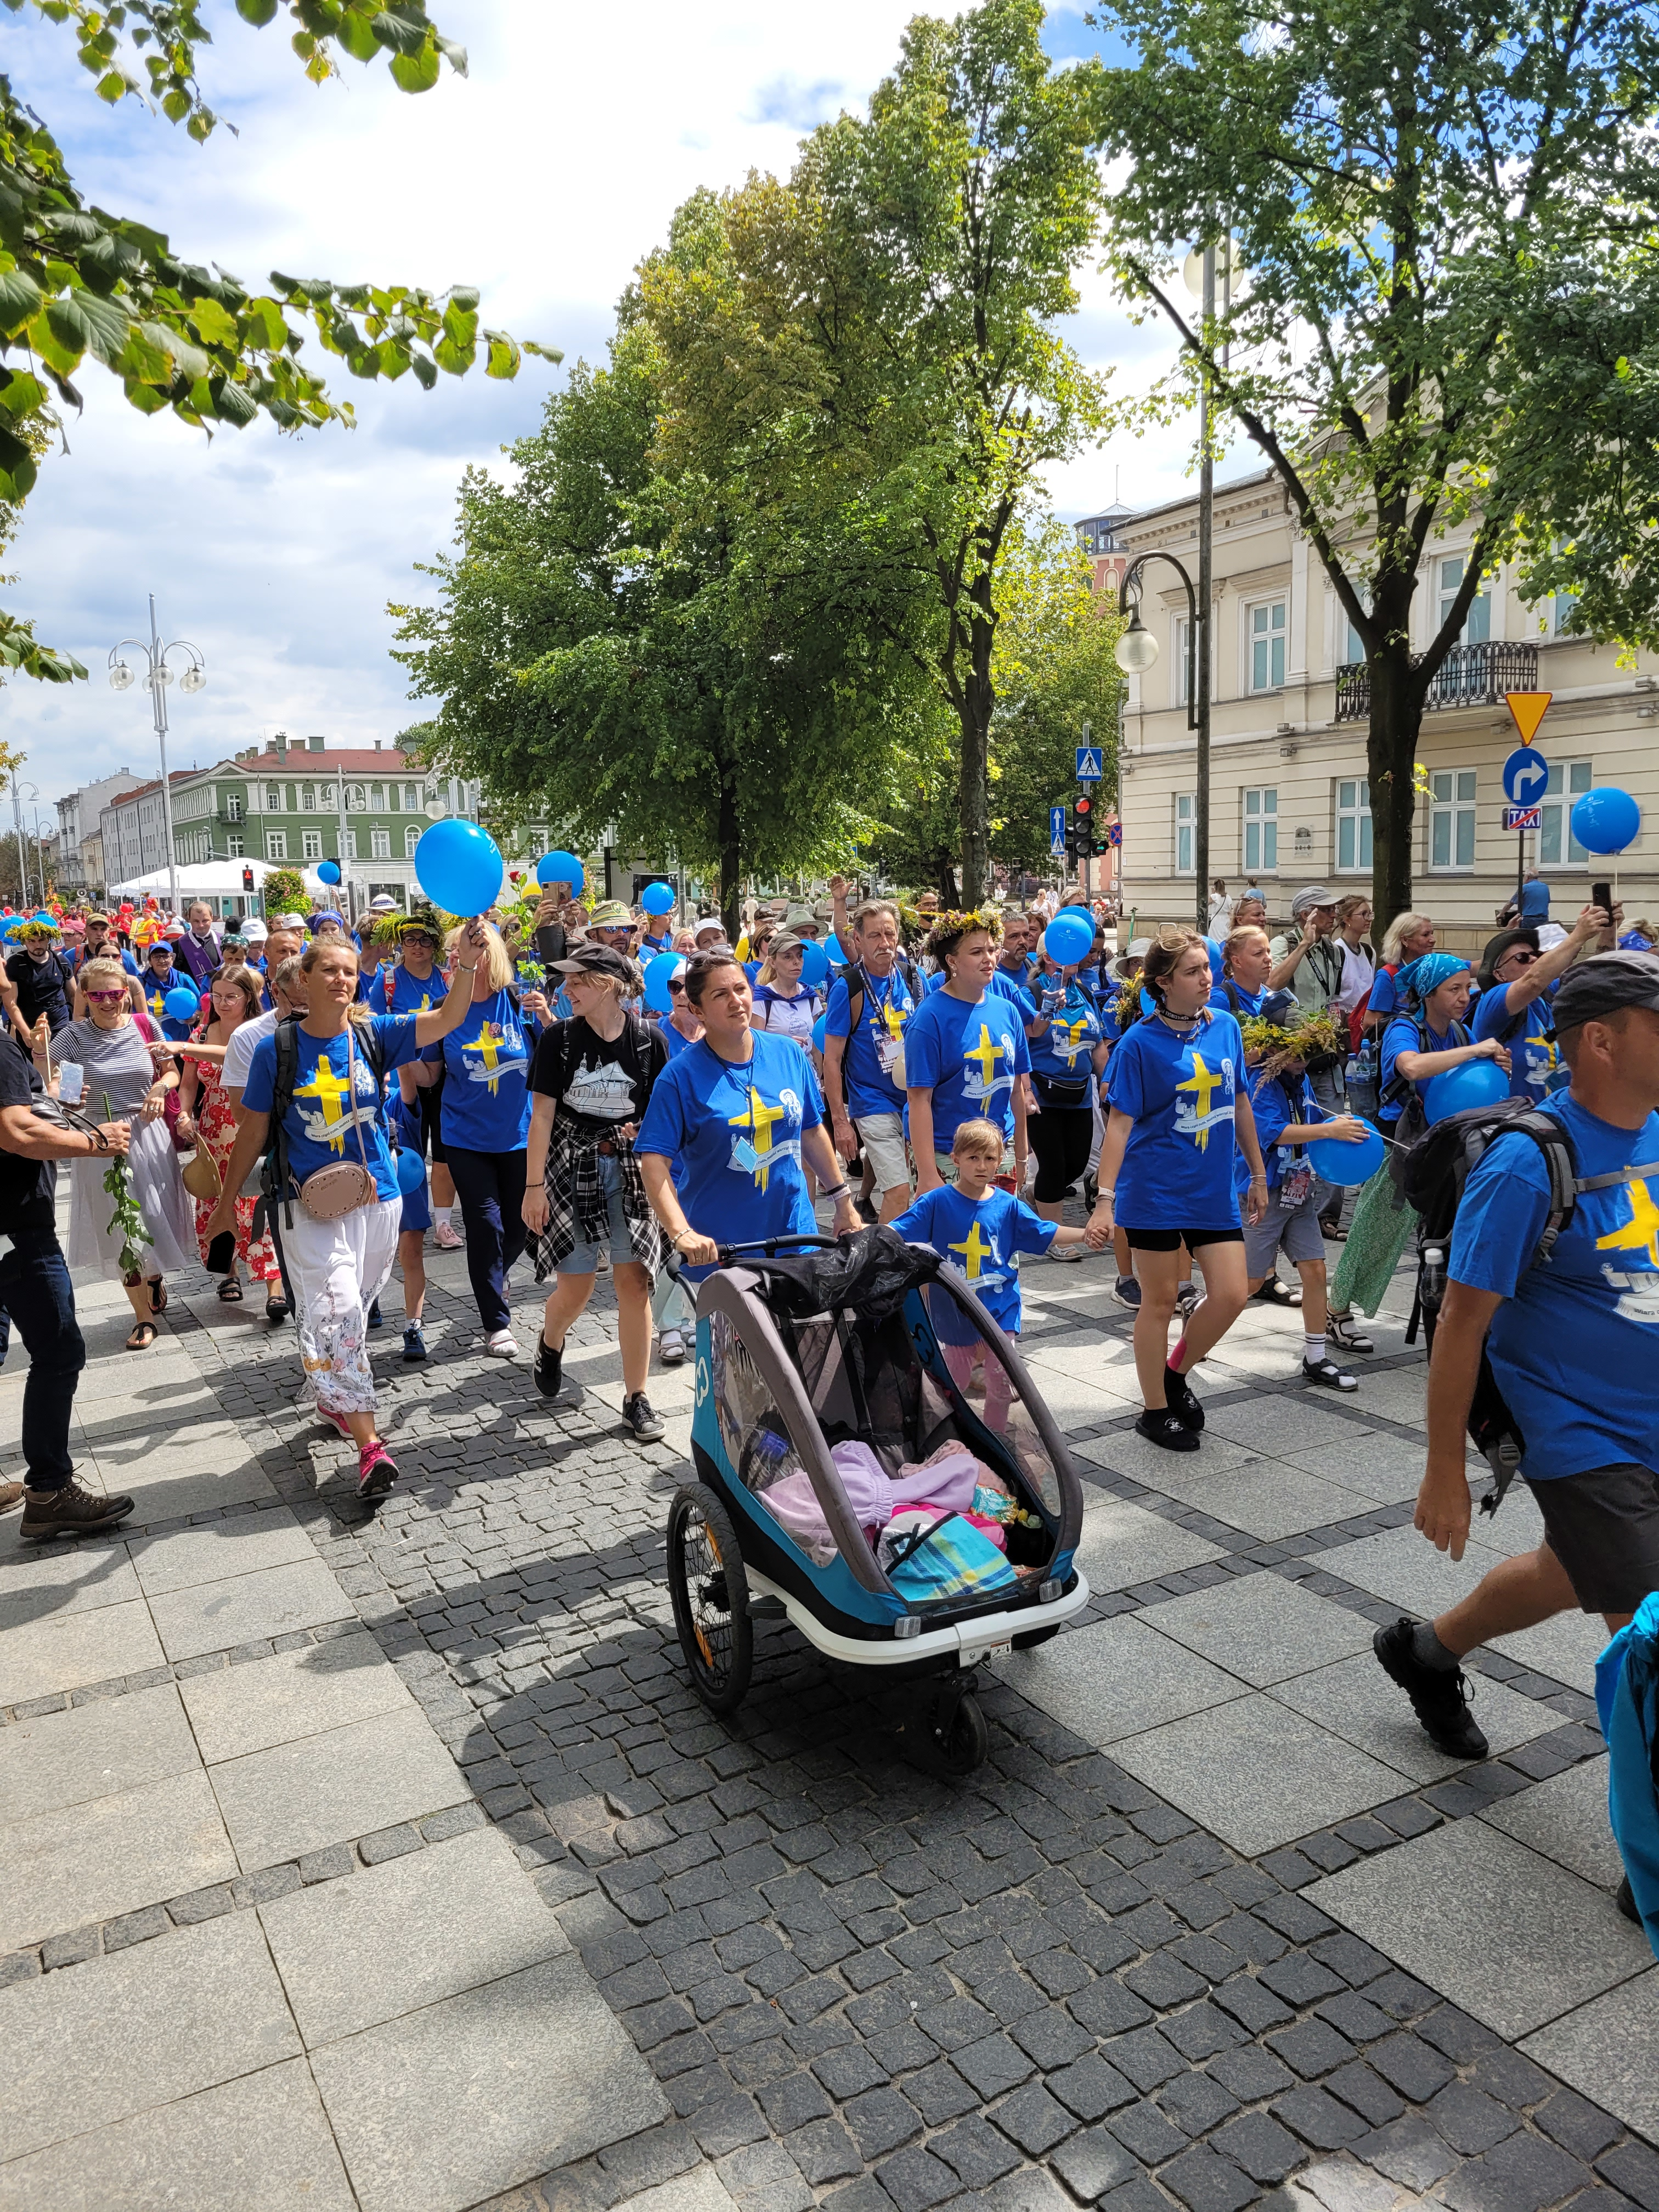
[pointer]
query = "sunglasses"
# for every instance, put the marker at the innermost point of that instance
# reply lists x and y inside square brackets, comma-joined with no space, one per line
[677,990]
[1522,955]
[106,998]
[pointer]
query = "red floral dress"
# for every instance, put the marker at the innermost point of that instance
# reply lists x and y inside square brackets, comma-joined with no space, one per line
[215,1128]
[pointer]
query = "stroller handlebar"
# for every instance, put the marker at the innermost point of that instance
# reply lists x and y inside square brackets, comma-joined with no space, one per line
[773,1245]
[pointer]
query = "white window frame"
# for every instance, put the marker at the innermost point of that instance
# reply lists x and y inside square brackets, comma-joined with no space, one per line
[1352,813]
[411,798]
[1260,808]
[1183,829]
[1452,800]
[310,845]
[411,839]
[1449,580]
[380,844]
[276,844]
[235,848]
[308,798]
[273,798]
[1568,781]
[1269,636]
[351,844]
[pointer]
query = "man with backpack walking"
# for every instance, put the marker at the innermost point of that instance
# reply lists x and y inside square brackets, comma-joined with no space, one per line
[870,1003]
[1517,984]
[1547,1330]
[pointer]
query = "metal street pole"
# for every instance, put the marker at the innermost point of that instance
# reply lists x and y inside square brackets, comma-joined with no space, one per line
[160,677]
[17,819]
[1205,574]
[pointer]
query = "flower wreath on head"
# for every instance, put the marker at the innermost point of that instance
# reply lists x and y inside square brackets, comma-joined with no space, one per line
[35,933]
[958,924]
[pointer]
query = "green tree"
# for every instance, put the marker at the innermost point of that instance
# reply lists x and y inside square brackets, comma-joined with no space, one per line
[77,283]
[1431,206]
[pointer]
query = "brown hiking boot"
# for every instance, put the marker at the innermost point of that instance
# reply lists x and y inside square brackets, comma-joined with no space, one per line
[71,1511]
[11,1493]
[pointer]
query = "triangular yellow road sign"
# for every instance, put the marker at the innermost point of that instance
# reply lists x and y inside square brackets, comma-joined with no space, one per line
[1528,709]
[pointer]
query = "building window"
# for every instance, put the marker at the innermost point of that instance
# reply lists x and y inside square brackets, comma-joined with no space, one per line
[411,839]
[308,797]
[1260,832]
[273,798]
[351,844]
[311,842]
[1185,816]
[1557,846]
[276,844]
[1266,635]
[1451,818]
[1562,614]
[235,848]
[411,797]
[1477,627]
[377,798]
[1354,824]
[232,810]
[380,844]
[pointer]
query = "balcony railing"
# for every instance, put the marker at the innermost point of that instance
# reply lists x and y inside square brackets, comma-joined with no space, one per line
[1469,676]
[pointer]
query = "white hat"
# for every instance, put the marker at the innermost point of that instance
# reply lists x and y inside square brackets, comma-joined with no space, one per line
[707,922]
[254,930]
[384,903]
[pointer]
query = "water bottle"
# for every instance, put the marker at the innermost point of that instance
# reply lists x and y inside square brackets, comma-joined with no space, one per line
[1432,1278]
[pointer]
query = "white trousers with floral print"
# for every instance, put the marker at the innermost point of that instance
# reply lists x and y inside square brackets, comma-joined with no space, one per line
[337,1269]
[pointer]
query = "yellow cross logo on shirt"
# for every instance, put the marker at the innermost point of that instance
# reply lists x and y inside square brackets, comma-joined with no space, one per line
[759,1120]
[158,1000]
[1641,1232]
[330,1090]
[1203,1086]
[1065,1037]
[986,1053]
[974,1249]
[488,1043]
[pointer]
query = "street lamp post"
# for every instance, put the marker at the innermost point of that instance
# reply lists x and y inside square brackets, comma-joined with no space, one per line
[40,858]
[17,798]
[158,674]
[1136,651]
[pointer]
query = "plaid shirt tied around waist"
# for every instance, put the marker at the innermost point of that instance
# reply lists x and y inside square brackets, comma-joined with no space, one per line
[578,1207]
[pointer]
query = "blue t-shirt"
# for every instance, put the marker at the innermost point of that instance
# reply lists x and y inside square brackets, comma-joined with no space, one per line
[1385,998]
[1275,1111]
[736,1127]
[157,991]
[1181,1093]
[1405,1035]
[1533,1054]
[1249,1002]
[1064,1053]
[887,1007]
[409,995]
[969,1057]
[674,1040]
[1003,984]
[1573,1344]
[984,1238]
[318,1124]
[486,1058]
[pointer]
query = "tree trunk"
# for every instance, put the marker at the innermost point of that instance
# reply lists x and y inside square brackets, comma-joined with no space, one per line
[1396,717]
[731,845]
[978,699]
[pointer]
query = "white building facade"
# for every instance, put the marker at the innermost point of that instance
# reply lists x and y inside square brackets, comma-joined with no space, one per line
[80,818]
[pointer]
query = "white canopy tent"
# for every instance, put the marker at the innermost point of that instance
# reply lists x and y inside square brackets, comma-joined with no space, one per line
[215,880]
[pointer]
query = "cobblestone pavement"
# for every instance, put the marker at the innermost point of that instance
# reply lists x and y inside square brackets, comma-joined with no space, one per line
[1214,1926]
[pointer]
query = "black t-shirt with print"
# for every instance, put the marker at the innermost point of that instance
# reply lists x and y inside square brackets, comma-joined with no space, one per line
[28,1188]
[599,1081]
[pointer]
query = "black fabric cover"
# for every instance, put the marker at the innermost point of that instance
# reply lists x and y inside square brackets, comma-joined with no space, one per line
[870,1274]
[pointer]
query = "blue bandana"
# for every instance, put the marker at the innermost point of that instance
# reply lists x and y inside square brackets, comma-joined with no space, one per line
[1419,979]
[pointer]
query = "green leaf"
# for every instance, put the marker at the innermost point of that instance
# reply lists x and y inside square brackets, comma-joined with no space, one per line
[425,375]
[416,72]
[113,87]
[257,12]
[212,325]
[20,393]
[357,37]
[20,300]
[503,356]
[233,403]
[17,470]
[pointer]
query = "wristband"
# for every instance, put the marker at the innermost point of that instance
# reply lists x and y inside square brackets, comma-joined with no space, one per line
[841,1190]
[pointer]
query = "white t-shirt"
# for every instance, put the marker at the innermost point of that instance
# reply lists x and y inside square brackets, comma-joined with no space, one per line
[239,1053]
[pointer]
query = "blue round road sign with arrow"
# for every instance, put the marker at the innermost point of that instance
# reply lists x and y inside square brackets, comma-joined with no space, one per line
[1526,776]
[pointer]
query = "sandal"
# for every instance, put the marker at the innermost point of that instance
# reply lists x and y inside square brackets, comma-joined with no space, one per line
[275,1307]
[1275,1293]
[158,1296]
[230,1291]
[144,1333]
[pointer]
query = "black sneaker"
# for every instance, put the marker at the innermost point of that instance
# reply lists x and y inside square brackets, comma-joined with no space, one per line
[414,1343]
[1624,1898]
[1439,1695]
[1327,1373]
[1180,1400]
[1188,1299]
[646,1425]
[1166,1430]
[376,1318]
[1091,1191]
[549,1370]
[1127,1292]
[71,1511]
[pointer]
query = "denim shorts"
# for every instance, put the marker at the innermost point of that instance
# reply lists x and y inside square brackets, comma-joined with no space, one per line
[584,1260]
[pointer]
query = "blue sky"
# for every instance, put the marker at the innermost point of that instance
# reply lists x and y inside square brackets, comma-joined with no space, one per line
[541,178]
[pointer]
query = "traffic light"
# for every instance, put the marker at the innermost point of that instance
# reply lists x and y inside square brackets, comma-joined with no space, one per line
[247,879]
[1084,806]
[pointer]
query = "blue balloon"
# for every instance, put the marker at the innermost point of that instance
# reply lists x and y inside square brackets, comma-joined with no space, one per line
[1605,820]
[1069,938]
[658,975]
[1216,957]
[832,947]
[562,868]
[183,1005]
[817,1030]
[411,1171]
[814,964]
[1348,1165]
[658,898]
[1471,1083]
[459,866]
[328,871]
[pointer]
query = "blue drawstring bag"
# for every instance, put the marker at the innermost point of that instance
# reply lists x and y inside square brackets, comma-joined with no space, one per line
[1627,1701]
[949,1557]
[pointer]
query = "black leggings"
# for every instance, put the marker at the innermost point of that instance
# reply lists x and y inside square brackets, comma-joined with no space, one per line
[490,1186]
[1061,1136]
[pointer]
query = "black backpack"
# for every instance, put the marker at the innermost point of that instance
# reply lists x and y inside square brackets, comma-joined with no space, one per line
[856,982]
[275,1182]
[1433,1178]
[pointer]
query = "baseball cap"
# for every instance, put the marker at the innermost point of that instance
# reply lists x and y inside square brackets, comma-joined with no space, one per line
[1315,894]
[709,922]
[1601,986]
[597,960]
[611,913]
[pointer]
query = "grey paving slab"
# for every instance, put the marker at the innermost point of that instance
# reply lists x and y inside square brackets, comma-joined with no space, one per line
[1076,1404]
[1511,1937]
[64,1651]
[185,1558]
[453,2103]
[1605,2049]
[1116,1678]
[1356,1701]
[1565,1817]
[89,1861]
[55,1760]
[1566,1648]
[1262,1627]
[159,2020]
[166,1495]
[1401,1394]
[273,1601]
[238,1709]
[62,1579]
[1405,1568]
[1123,1545]
[1256,1774]
[408,1933]
[1123,1452]
[1387,1469]
[141,1417]
[325,1788]
[259,2144]
[1266,1498]
[702,2191]
[1284,1424]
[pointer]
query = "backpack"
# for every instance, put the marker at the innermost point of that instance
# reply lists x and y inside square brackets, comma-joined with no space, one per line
[1431,1179]
[1627,1704]
[275,1182]
[857,982]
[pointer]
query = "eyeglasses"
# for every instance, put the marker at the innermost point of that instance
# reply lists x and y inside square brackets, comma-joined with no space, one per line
[106,998]
[1521,953]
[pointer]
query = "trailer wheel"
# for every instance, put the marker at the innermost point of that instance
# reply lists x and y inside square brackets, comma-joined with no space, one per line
[1030,1640]
[710,1594]
[964,1741]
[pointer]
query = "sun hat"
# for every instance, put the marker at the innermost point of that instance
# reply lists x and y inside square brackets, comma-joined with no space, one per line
[1499,946]
[611,913]
[1136,949]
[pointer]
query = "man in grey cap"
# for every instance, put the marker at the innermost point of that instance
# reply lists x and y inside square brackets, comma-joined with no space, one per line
[1307,959]
[1572,1345]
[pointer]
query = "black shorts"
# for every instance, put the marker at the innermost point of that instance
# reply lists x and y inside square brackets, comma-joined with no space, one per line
[432,1121]
[1603,1526]
[1062,1138]
[1171,1240]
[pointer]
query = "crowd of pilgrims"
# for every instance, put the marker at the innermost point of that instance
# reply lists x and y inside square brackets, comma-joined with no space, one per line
[940,1072]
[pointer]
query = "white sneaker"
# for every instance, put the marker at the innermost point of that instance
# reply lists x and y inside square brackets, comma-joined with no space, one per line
[502,1346]
[671,1348]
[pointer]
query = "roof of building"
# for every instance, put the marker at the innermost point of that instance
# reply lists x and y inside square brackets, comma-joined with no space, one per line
[348,760]
[1189,499]
[142,790]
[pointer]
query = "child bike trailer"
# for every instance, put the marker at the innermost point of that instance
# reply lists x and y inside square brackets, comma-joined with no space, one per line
[847,1480]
